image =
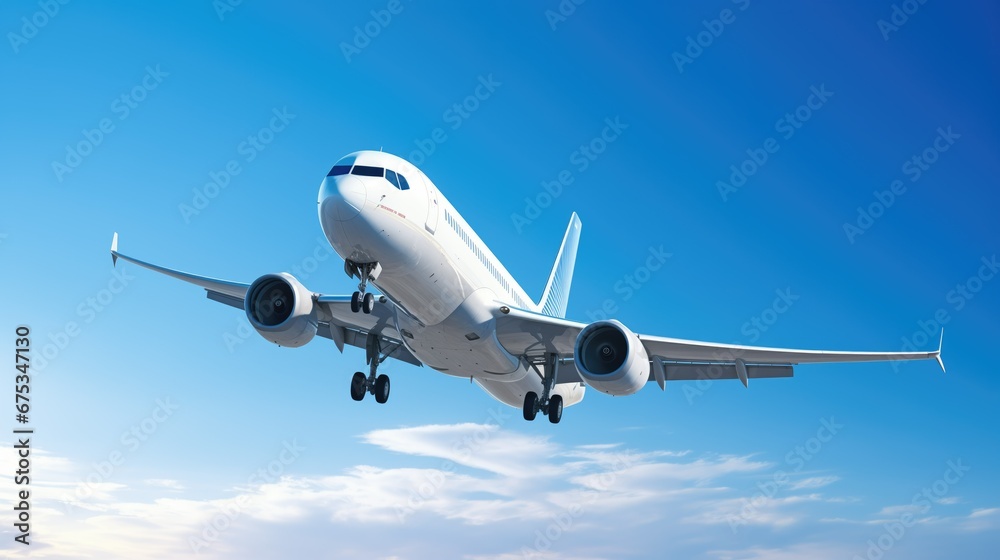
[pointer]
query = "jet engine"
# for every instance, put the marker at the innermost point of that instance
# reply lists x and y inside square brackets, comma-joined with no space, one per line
[281,309]
[611,359]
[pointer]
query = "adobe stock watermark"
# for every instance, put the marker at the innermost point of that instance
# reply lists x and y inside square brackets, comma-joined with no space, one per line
[563,521]
[752,329]
[121,107]
[366,33]
[922,502]
[563,11]
[580,160]
[131,440]
[225,7]
[913,168]
[956,300]
[248,150]
[696,44]
[898,16]
[32,25]
[465,447]
[795,461]
[786,126]
[631,283]
[454,116]
[87,311]
[232,510]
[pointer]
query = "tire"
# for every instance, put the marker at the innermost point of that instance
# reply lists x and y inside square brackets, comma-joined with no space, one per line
[529,406]
[358,388]
[356,302]
[368,303]
[382,389]
[555,409]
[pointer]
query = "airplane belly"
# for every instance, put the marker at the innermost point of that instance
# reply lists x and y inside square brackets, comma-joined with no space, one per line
[512,394]
[465,343]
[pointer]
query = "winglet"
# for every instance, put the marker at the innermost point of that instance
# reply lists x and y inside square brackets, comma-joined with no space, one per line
[937,355]
[114,249]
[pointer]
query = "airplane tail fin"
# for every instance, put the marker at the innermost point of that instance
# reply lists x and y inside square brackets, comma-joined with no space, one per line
[556,295]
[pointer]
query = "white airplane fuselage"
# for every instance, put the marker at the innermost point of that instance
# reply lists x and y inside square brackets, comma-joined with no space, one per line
[442,282]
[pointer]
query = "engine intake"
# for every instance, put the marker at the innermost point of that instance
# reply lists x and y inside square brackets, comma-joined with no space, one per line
[281,309]
[611,358]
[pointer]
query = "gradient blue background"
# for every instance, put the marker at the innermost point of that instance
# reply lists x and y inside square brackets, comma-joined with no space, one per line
[654,186]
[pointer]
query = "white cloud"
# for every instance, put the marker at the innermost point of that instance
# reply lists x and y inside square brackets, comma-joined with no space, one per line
[164,483]
[813,482]
[487,493]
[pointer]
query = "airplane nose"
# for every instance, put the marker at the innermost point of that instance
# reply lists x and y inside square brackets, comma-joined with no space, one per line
[349,195]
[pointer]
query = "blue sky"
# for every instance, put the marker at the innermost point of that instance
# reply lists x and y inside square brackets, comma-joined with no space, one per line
[242,449]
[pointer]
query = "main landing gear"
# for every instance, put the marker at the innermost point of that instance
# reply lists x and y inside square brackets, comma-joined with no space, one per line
[361,300]
[375,383]
[552,406]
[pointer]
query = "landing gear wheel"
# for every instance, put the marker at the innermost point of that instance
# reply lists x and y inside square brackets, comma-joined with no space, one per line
[356,302]
[368,303]
[555,409]
[358,386]
[382,389]
[530,400]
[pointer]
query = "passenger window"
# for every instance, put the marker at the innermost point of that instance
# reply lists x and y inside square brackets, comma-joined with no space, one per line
[339,170]
[391,176]
[403,185]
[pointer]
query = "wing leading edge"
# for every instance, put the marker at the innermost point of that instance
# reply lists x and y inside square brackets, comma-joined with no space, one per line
[524,333]
[336,321]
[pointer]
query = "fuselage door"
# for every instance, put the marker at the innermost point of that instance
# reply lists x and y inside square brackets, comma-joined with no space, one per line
[432,207]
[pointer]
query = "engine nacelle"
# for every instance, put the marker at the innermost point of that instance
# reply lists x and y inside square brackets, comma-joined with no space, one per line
[611,359]
[281,309]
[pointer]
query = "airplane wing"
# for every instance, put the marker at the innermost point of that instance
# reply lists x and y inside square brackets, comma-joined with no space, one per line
[532,335]
[337,321]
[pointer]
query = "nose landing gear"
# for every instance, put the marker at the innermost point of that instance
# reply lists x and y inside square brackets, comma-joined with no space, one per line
[361,300]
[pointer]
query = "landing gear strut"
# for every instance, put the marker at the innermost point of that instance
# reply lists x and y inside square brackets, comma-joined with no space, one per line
[375,383]
[361,300]
[548,404]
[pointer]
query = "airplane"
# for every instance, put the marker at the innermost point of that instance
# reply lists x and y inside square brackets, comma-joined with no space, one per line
[446,302]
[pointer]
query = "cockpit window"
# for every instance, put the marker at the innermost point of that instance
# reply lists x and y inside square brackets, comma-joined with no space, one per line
[390,175]
[339,170]
[367,171]
[403,185]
